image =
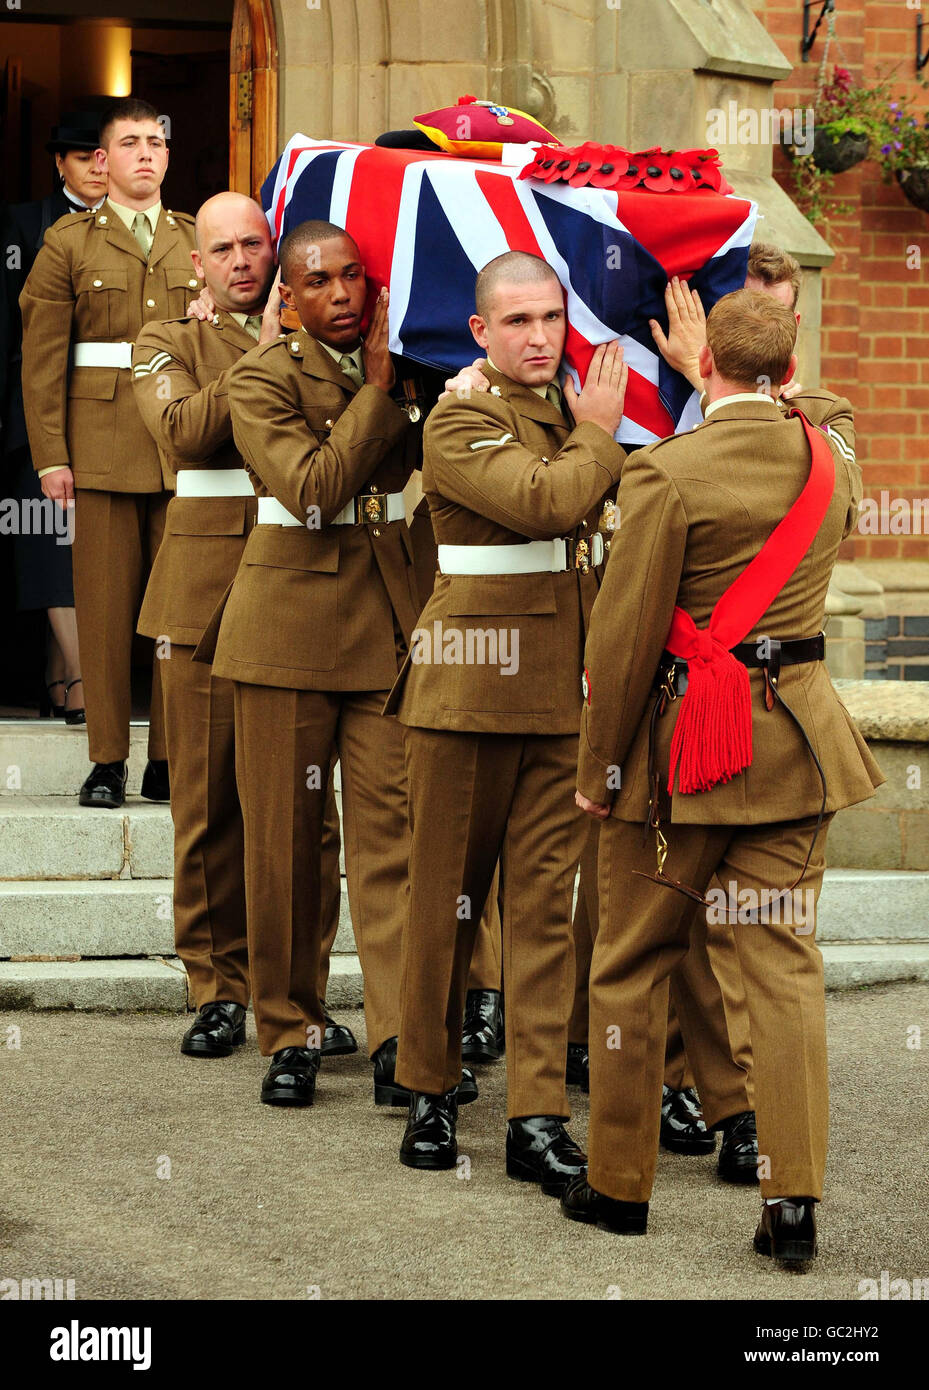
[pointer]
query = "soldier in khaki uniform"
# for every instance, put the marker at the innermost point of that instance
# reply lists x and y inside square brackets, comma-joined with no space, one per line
[312,635]
[514,488]
[685,619]
[181,381]
[99,277]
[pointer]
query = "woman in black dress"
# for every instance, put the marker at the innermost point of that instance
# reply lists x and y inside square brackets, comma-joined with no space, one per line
[42,559]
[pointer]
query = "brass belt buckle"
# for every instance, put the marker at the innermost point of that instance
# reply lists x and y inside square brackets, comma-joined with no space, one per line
[582,556]
[371,509]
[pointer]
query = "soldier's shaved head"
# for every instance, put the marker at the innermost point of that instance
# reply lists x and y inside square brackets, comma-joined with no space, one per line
[222,207]
[512,268]
[234,252]
[296,250]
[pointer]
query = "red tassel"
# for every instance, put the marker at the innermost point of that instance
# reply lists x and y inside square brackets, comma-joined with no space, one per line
[712,738]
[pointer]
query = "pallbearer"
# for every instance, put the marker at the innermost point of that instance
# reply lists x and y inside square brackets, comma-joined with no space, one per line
[491,700]
[706,687]
[313,634]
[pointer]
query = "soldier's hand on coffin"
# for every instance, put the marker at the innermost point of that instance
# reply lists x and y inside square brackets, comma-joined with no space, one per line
[271,318]
[604,390]
[203,307]
[59,486]
[379,368]
[593,808]
[686,331]
[468,379]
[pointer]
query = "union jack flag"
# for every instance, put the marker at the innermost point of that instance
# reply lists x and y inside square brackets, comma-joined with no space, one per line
[426,223]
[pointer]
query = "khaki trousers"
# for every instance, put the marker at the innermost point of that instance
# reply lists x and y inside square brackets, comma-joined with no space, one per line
[487,961]
[116,538]
[476,799]
[209,856]
[706,988]
[644,934]
[285,740]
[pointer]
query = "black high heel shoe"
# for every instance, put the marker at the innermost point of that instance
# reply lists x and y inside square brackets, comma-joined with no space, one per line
[73,716]
[47,707]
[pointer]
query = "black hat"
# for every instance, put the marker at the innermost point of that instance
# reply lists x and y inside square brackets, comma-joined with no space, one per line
[79,130]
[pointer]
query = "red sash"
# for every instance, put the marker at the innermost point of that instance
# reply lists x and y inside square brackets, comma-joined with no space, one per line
[712,739]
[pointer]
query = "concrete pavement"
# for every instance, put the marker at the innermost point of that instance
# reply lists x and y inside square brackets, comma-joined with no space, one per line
[139,1173]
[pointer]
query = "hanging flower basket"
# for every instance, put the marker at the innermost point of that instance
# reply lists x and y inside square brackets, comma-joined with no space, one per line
[915,184]
[833,155]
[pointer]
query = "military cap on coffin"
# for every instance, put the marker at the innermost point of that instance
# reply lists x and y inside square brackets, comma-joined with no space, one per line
[480,129]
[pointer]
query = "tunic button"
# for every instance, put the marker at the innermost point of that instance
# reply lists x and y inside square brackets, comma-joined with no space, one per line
[150,303]
[373,491]
[376,531]
[584,524]
[191,283]
[97,284]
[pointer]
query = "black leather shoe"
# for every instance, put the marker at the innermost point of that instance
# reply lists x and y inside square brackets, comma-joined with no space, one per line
[577,1067]
[540,1149]
[579,1202]
[155,784]
[291,1078]
[429,1140]
[218,1028]
[682,1127]
[388,1092]
[482,1030]
[787,1230]
[106,786]
[738,1153]
[338,1041]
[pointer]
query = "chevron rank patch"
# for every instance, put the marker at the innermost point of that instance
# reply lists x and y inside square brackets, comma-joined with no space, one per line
[158,363]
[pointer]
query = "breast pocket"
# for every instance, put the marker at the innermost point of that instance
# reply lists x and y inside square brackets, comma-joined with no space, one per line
[103,303]
[181,286]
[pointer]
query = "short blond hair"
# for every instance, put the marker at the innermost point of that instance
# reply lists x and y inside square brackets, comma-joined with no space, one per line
[751,337]
[772,266]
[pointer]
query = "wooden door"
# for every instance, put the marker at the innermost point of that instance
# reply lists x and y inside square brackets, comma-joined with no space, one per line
[252,96]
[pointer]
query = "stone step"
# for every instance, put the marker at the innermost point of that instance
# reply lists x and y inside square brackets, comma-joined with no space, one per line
[100,918]
[145,985]
[873,904]
[43,757]
[158,985]
[52,837]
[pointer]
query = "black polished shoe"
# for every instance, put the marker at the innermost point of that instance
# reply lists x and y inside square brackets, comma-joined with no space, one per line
[218,1029]
[682,1127]
[540,1149]
[429,1140]
[338,1041]
[155,783]
[577,1066]
[482,1030]
[387,1091]
[106,786]
[579,1202]
[787,1230]
[291,1078]
[738,1153]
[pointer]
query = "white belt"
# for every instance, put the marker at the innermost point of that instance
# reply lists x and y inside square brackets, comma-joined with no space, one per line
[370,508]
[272,513]
[213,482]
[101,354]
[534,557]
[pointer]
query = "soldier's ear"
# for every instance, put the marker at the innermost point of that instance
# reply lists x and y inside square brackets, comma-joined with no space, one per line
[198,263]
[707,365]
[791,370]
[478,327]
[287,295]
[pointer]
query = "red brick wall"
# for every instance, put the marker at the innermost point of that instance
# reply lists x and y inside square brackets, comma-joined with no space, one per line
[875,343]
